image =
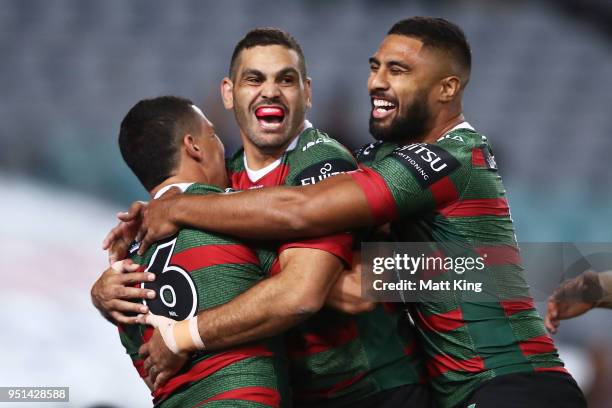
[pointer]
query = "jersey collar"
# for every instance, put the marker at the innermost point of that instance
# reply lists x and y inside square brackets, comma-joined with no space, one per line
[180,186]
[255,175]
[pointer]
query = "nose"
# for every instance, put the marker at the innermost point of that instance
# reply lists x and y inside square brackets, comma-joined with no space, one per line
[378,80]
[270,90]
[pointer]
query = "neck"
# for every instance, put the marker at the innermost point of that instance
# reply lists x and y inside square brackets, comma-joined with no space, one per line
[259,157]
[442,123]
[183,177]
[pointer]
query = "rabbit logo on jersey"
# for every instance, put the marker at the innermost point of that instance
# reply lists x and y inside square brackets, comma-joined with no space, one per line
[428,163]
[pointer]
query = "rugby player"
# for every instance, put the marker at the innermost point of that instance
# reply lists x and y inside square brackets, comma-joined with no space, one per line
[439,184]
[168,142]
[577,296]
[336,359]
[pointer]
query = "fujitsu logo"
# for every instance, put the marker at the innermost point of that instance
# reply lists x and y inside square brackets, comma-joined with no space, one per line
[427,155]
[325,172]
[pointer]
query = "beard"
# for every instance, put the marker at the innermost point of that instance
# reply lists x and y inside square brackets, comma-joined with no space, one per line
[406,126]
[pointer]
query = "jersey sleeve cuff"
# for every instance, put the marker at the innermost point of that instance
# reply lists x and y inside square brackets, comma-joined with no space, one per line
[380,200]
[339,245]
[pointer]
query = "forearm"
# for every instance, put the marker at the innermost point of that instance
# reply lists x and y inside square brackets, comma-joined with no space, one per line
[605,280]
[263,311]
[334,205]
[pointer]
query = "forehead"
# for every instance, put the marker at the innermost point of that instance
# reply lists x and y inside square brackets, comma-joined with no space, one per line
[268,58]
[402,49]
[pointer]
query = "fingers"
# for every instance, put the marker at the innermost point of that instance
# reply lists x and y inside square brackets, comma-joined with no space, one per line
[123,319]
[145,244]
[161,379]
[136,277]
[134,212]
[126,265]
[112,236]
[143,352]
[551,320]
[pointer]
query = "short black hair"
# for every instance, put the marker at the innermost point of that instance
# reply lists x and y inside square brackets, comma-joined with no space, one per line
[262,36]
[150,136]
[437,33]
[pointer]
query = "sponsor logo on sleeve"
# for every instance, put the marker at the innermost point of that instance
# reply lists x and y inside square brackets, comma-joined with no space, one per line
[489,158]
[367,152]
[427,163]
[322,170]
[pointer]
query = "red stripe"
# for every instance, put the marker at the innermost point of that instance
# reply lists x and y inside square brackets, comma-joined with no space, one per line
[275,268]
[478,159]
[340,245]
[443,363]
[139,364]
[262,395]
[240,180]
[302,345]
[558,369]
[442,322]
[499,255]
[537,345]
[512,306]
[436,255]
[477,208]
[208,367]
[380,200]
[444,192]
[209,255]
[148,332]
[327,392]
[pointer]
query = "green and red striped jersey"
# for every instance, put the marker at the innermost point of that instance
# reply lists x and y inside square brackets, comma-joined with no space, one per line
[197,270]
[451,192]
[335,359]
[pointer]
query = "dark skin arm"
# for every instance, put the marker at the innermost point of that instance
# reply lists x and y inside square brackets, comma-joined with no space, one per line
[267,309]
[336,204]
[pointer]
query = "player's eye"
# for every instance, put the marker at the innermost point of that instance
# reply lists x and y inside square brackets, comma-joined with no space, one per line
[287,80]
[252,79]
[374,67]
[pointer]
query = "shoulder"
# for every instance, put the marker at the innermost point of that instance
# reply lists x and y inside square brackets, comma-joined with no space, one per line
[374,151]
[314,144]
[235,163]
[316,157]
[202,189]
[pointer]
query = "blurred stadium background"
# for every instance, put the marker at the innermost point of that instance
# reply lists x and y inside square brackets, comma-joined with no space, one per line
[541,90]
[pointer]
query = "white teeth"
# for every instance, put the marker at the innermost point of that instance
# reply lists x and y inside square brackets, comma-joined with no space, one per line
[381,102]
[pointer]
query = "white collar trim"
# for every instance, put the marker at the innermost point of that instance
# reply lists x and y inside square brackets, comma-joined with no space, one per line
[255,175]
[462,125]
[181,186]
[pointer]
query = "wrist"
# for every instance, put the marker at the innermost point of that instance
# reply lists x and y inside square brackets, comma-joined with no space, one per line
[183,337]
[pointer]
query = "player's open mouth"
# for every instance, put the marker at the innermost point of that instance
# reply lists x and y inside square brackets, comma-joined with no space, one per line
[270,117]
[382,108]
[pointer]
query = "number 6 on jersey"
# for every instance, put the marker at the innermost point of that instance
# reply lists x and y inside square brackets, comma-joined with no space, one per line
[177,297]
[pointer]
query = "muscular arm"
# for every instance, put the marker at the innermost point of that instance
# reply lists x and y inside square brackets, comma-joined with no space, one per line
[274,304]
[333,205]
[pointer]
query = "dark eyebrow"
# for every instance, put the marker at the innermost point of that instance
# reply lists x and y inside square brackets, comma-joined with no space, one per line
[255,72]
[373,60]
[288,70]
[399,64]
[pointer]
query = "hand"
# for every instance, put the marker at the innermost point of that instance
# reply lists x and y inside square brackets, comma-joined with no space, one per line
[572,298]
[157,222]
[345,295]
[159,361]
[113,287]
[119,239]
